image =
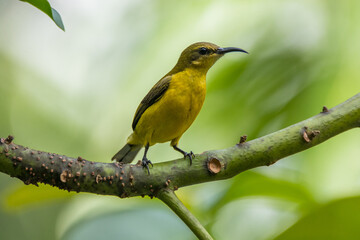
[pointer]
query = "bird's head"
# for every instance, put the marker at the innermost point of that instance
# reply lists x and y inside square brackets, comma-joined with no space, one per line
[202,56]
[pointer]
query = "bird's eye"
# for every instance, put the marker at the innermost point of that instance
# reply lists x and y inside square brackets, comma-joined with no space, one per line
[203,51]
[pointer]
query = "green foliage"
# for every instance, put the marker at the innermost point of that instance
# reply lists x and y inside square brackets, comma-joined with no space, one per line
[336,220]
[21,197]
[251,183]
[44,6]
[115,225]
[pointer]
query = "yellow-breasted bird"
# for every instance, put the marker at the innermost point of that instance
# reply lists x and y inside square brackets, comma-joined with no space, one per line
[173,103]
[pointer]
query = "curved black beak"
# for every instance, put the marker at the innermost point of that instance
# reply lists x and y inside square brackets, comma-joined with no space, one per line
[230,49]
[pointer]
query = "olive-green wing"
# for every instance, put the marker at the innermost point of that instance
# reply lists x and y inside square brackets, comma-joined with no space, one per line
[154,95]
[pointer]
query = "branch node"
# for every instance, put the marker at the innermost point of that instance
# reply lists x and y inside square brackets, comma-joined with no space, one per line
[324,109]
[214,165]
[63,176]
[242,139]
[309,135]
[9,139]
[98,178]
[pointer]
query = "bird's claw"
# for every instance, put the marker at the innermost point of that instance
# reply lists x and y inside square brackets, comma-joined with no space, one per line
[145,163]
[191,155]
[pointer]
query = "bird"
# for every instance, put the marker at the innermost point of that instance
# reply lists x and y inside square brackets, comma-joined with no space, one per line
[173,103]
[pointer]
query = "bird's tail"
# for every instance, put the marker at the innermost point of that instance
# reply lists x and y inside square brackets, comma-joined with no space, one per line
[127,153]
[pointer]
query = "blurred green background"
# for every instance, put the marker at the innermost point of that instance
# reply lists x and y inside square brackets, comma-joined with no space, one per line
[75,93]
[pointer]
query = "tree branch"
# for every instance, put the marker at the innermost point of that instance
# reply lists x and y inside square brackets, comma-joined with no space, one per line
[128,180]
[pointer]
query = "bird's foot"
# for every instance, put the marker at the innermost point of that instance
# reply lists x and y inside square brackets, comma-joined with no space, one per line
[145,163]
[190,155]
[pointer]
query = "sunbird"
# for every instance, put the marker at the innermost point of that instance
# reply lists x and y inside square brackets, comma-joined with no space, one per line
[173,103]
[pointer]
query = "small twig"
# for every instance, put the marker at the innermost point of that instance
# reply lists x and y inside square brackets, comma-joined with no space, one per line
[169,198]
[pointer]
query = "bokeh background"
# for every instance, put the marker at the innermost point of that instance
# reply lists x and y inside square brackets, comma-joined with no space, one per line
[75,93]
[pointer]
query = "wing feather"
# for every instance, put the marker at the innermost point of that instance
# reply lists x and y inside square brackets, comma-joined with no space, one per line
[154,95]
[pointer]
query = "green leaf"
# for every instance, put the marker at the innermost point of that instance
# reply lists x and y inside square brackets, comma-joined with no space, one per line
[57,19]
[334,221]
[45,7]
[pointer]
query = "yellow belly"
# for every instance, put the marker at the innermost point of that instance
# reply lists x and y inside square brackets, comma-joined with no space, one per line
[173,114]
